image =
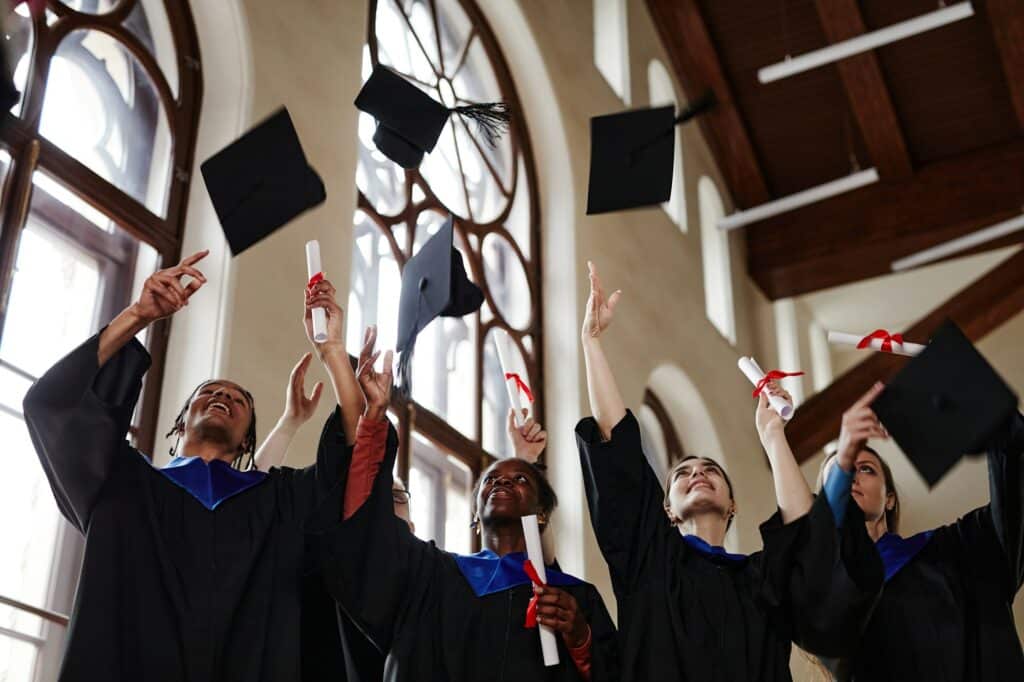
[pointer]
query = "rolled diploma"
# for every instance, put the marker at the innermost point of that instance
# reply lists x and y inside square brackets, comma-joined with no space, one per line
[535,553]
[754,373]
[511,387]
[843,339]
[313,267]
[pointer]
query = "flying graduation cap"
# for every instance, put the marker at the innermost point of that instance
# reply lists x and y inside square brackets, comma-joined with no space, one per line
[631,155]
[434,283]
[946,402]
[261,181]
[409,121]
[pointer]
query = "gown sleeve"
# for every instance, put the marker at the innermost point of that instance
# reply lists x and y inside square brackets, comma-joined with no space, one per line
[604,639]
[992,536]
[77,415]
[624,499]
[368,560]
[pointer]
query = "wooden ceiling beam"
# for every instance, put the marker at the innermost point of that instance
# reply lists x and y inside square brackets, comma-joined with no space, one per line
[867,92]
[858,235]
[697,66]
[978,309]
[1006,19]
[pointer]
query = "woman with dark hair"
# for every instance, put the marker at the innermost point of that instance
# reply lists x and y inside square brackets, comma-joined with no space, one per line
[449,617]
[945,612]
[688,609]
[191,571]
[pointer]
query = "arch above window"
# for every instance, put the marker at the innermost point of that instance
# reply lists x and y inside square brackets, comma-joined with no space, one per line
[662,91]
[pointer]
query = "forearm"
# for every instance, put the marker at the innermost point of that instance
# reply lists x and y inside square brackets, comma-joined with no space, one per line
[118,333]
[346,390]
[791,491]
[274,449]
[605,400]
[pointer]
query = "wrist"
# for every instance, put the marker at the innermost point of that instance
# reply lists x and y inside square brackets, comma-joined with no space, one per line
[331,350]
[375,413]
[579,637]
[133,319]
[773,437]
[288,424]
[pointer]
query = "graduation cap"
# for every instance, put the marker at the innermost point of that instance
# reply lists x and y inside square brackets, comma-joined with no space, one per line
[631,155]
[261,181]
[409,121]
[434,283]
[946,402]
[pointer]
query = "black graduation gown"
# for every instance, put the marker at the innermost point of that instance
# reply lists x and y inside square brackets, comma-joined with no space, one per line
[686,617]
[170,590]
[412,601]
[947,614]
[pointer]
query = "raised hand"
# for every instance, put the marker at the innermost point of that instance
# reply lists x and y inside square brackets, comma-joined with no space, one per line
[322,295]
[528,440]
[163,294]
[600,309]
[559,611]
[376,385]
[859,424]
[298,408]
[768,421]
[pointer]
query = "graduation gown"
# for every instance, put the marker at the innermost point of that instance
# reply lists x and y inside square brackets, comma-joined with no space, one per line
[946,615]
[411,599]
[699,616]
[171,590]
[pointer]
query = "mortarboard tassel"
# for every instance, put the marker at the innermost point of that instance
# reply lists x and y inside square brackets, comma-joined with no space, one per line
[405,361]
[492,119]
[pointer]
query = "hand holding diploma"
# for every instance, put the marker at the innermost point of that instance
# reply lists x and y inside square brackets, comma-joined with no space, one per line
[316,274]
[779,399]
[528,440]
[535,553]
[320,296]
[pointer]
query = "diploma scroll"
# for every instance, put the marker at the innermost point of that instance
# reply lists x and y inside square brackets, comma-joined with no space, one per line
[891,345]
[314,270]
[756,375]
[535,553]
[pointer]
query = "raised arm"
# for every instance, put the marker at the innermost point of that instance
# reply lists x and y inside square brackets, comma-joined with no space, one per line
[297,411]
[333,354]
[1006,505]
[605,400]
[792,494]
[79,411]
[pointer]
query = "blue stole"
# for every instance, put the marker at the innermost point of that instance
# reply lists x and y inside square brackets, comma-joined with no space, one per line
[488,573]
[896,552]
[210,483]
[715,554]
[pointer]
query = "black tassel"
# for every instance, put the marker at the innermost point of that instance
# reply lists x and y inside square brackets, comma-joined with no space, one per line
[492,119]
[404,387]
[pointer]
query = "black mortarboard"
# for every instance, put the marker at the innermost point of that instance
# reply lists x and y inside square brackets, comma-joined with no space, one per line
[631,156]
[434,283]
[409,121]
[946,402]
[261,181]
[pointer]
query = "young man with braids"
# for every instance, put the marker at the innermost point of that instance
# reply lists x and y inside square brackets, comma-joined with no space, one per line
[193,571]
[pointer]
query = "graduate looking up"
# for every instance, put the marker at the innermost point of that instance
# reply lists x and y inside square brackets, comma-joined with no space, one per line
[688,609]
[448,617]
[185,566]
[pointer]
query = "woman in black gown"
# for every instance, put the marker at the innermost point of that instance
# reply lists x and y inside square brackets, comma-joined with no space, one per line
[448,617]
[689,610]
[945,612]
[192,571]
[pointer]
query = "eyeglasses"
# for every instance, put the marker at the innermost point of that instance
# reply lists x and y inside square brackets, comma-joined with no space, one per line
[400,496]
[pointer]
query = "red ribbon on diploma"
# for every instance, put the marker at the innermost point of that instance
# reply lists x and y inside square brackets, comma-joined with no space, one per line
[531,608]
[772,376]
[520,384]
[886,338]
[315,279]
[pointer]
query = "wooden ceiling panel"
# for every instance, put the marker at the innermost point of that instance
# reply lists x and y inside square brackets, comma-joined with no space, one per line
[947,85]
[801,127]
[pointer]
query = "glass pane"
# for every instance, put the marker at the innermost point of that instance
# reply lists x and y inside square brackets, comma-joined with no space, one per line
[18,35]
[398,46]
[52,187]
[17,659]
[93,6]
[148,22]
[458,536]
[421,502]
[455,28]
[5,165]
[506,280]
[103,109]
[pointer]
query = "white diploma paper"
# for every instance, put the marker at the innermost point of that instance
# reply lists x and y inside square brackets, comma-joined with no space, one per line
[843,339]
[754,373]
[313,267]
[535,553]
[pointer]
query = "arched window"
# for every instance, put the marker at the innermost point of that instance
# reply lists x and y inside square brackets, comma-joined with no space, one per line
[94,165]
[662,92]
[717,264]
[456,422]
[611,44]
